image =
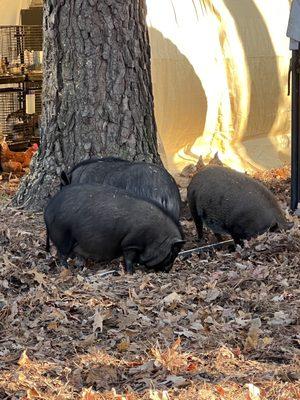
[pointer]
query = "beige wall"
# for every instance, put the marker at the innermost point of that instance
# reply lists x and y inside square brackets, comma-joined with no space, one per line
[219,72]
[10,11]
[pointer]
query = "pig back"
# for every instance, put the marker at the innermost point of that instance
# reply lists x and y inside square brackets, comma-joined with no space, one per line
[151,182]
[96,170]
[144,180]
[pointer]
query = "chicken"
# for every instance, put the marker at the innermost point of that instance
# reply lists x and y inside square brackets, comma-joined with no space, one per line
[11,166]
[12,161]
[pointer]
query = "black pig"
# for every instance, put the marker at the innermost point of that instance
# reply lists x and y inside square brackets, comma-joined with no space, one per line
[230,202]
[144,180]
[103,222]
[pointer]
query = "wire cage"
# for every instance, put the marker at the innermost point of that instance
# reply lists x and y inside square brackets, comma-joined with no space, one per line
[20,49]
[18,127]
[20,83]
[13,125]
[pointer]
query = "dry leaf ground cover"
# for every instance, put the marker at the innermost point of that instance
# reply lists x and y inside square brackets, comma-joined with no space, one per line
[219,326]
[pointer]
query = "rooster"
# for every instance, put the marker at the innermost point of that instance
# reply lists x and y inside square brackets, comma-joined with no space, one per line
[16,161]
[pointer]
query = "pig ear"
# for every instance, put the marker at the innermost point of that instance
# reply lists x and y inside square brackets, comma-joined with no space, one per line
[64,180]
[178,244]
[179,241]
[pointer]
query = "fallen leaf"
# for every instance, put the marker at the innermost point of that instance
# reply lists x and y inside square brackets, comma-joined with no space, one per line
[58,314]
[212,294]
[24,359]
[254,392]
[21,377]
[177,381]
[280,318]
[278,298]
[192,367]
[65,273]
[123,345]
[103,376]
[146,367]
[220,390]
[53,326]
[98,321]
[172,298]
[267,340]
[13,311]
[38,276]
[253,334]
[154,395]
[33,393]
[241,321]
[88,394]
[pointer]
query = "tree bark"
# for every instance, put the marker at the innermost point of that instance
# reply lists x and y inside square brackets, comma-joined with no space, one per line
[97,90]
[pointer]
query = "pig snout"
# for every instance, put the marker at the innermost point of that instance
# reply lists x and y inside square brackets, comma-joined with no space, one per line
[167,268]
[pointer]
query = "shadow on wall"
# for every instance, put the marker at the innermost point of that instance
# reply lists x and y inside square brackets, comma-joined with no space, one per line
[265,88]
[179,99]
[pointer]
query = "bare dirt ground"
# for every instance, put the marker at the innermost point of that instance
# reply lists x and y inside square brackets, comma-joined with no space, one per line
[219,326]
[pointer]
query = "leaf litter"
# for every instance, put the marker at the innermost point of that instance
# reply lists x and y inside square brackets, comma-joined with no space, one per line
[220,325]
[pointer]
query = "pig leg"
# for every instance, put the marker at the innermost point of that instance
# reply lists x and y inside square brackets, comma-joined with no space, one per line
[130,257]
[237,241]
[218,237]
[199,226]
[196,217]
[237,233]
[63,260]
[231,247]
[79,261]
[47,241]
[65,247]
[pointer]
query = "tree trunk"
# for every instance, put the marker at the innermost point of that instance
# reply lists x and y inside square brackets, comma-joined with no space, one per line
[97,91]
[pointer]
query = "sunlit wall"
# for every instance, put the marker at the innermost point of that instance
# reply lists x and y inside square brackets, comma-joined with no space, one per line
[219,71]
[10,11]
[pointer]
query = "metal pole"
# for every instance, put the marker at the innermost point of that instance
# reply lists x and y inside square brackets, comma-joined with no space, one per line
[295,172]
[185,254]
